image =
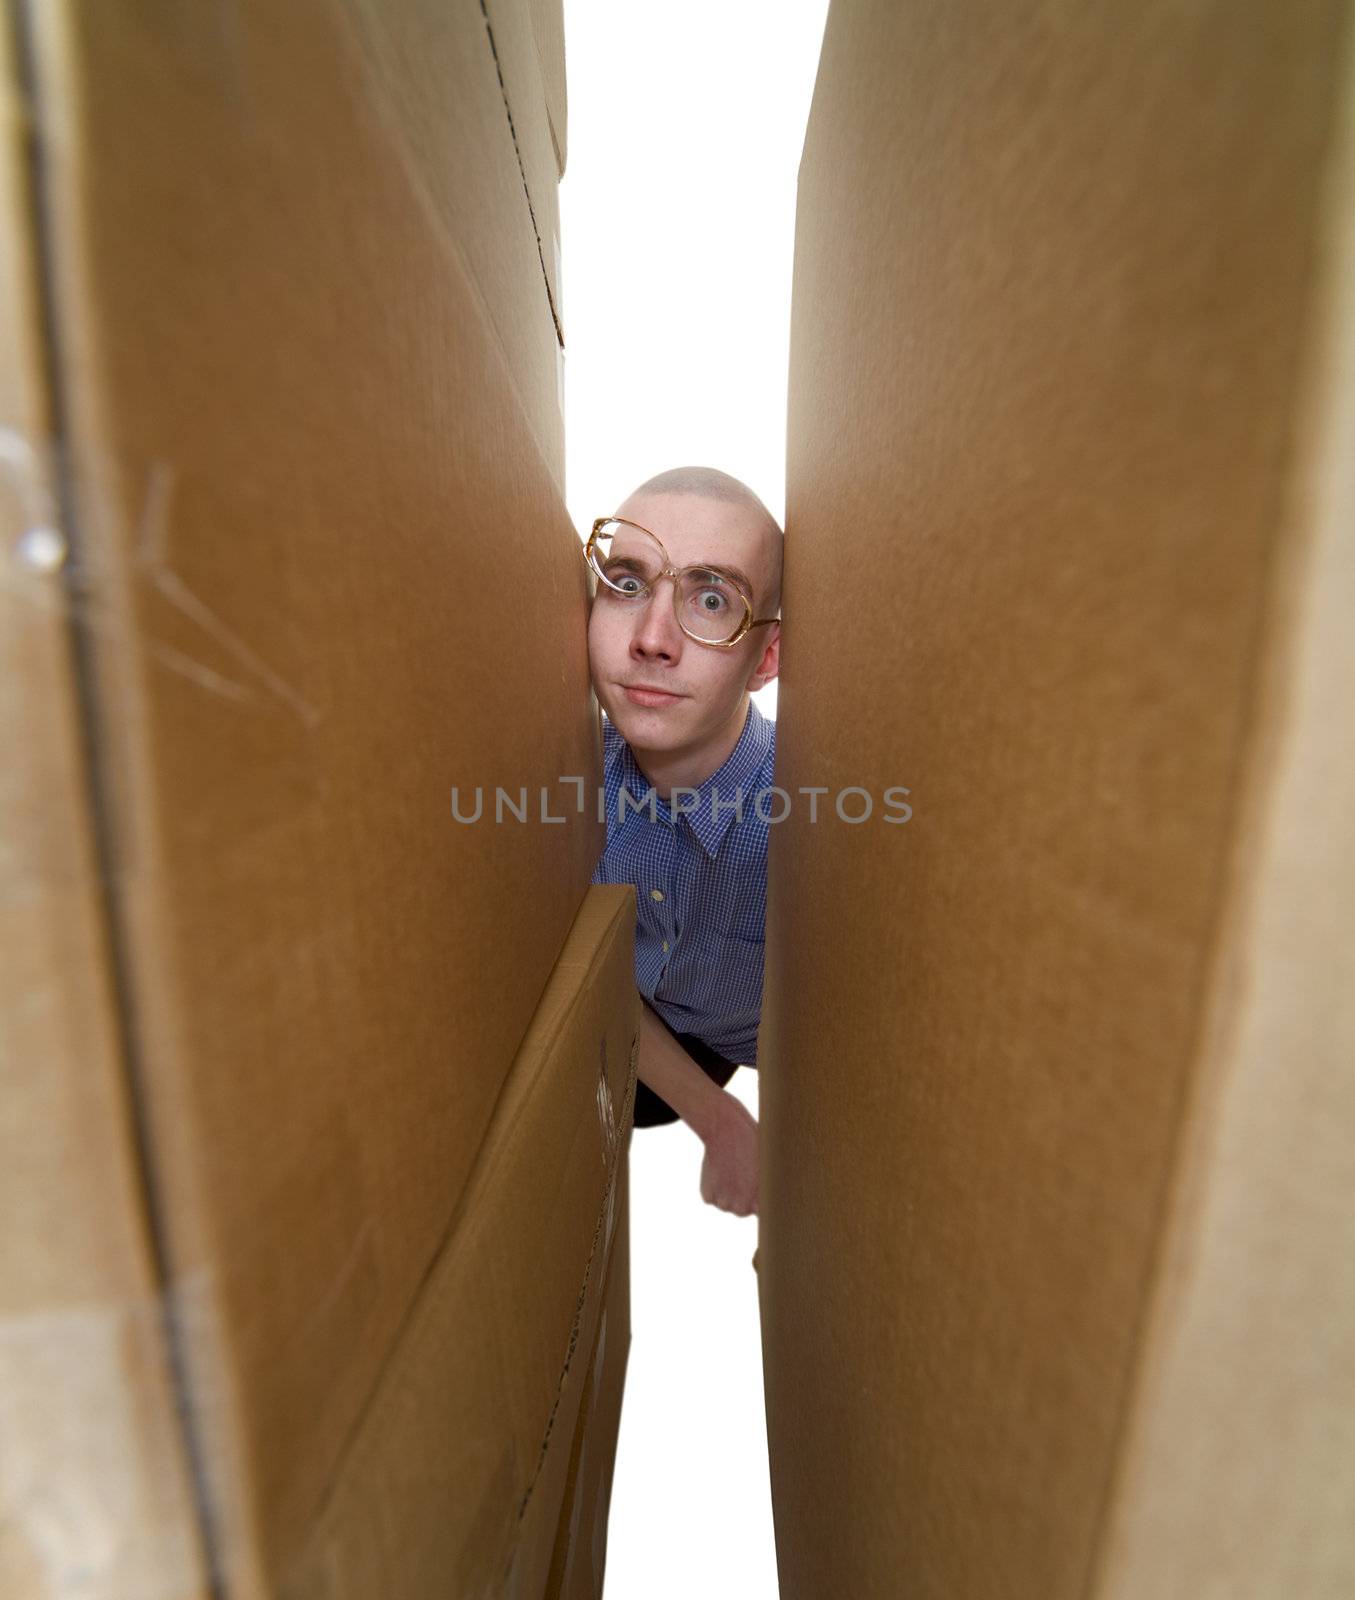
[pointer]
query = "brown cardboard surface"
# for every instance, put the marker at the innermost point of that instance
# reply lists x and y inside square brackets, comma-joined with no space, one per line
[579,1562]
[512,28]
[95,1496]
[481,153]
[296,453]
[548,25]
[1055,1254]
[456,1477]
[1238,1474]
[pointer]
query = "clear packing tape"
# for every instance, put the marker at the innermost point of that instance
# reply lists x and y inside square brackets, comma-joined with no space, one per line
[93,1498]
[44,569]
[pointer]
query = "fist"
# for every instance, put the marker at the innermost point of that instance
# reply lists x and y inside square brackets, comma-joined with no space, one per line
[729,1170]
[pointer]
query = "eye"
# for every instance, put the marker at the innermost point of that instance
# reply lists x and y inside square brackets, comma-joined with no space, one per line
[624,579]
[707,592]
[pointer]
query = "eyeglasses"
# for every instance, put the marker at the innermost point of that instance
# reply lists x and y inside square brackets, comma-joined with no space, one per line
[711,605]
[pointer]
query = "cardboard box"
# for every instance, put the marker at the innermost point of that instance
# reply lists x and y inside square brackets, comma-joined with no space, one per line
[548,27]
[1056,1263]
[96,1495]
[579,1563]
[264,989]
[455,1478]
[482,161]
[514,35]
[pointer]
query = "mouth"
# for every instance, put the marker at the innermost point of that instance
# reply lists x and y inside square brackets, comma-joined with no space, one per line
[640,694]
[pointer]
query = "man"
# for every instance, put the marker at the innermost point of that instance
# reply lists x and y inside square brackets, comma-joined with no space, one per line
[683,627]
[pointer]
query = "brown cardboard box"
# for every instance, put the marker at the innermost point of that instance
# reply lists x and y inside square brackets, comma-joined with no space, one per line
[522,72]
[95,1491]
[580,1559]
[455,1478]
[548,27]
[1057,1265]
[484,152]
[264,989]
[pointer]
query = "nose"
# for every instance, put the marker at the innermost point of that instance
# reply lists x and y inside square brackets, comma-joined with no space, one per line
[657,636]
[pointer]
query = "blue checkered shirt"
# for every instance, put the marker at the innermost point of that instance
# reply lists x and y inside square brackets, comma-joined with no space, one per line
[701,888]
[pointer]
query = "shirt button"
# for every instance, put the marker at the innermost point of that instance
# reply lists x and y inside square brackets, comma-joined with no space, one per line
[665,947]
[656,894]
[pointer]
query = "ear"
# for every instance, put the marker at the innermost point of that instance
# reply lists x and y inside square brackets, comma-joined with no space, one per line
[769,662]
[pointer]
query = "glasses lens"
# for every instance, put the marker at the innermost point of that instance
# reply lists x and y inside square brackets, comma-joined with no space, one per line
[710,607]
[626,559]
[629,561]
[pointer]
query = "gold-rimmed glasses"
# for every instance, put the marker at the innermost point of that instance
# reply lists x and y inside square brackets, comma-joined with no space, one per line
[711,604]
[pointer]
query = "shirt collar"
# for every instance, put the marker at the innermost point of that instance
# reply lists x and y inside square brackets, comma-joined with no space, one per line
[733,783]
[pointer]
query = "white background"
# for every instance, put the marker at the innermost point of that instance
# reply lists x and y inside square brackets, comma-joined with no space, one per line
[677,219]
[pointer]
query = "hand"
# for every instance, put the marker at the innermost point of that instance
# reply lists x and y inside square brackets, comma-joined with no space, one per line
[729,1172]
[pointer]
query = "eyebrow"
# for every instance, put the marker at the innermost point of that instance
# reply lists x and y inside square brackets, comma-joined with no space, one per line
[737,573]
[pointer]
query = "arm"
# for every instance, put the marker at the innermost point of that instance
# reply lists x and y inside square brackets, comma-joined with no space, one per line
[667,1069]
[729,1173]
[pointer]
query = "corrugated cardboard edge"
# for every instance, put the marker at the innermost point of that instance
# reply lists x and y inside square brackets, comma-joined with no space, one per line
[604,907]
[596,1267]
[578,1561]
[1238,1470]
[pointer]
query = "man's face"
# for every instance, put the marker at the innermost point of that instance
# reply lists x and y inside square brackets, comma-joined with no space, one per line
[696,690]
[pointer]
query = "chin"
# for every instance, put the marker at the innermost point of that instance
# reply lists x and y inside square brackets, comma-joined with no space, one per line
[646,729]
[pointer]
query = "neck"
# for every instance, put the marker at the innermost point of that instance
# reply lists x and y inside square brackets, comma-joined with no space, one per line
[689,769]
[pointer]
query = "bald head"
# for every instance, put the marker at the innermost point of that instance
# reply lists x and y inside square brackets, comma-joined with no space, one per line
[709,483]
